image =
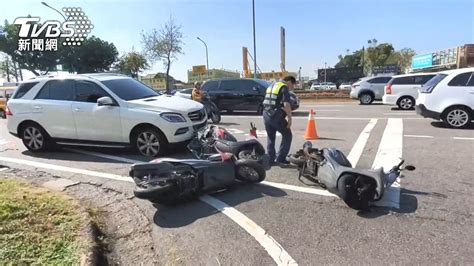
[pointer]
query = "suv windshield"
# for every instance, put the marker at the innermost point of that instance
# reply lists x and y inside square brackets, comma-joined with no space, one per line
[129,89]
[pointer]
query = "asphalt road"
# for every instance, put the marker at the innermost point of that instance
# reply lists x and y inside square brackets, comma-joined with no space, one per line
[429,219]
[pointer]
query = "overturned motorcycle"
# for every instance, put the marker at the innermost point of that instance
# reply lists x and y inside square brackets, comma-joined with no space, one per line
[215,139]
[331,169]
[167,180]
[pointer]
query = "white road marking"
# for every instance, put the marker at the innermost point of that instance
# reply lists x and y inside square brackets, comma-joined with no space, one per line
[235,131]
[399,113]
[389,154]
[321,192]
[327,118]
[463,138]
[4,169]
[360,143]
[273,248]
[418,136]
[66,169]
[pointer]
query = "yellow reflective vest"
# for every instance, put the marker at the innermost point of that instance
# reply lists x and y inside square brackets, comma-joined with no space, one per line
[272,94]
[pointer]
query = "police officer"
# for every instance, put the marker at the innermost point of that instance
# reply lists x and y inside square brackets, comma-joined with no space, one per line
[277,118]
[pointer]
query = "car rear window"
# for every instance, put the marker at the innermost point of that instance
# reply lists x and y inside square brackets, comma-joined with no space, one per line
[403,81]
[461,79]
[382,80]
[23,89]
[428,86]
[59,90]
[420,80]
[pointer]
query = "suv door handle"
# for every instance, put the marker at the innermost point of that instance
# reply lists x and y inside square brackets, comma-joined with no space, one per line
[37,107]
[77,109]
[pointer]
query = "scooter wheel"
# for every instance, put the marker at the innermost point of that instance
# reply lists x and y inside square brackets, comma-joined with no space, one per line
[249,171]
[153,192]
[216,117]
[347,187]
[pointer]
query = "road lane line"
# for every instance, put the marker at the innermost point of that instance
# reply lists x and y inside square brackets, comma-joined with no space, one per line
[360,143]
[399,113]
[462,138]
[389,154]
[321,192]
[273,248]
[66,169]
[324,117]
[418,136]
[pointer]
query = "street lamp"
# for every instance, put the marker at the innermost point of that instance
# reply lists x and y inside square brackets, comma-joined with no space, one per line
[207,57]
[254,43]
[325,71]
[43,3]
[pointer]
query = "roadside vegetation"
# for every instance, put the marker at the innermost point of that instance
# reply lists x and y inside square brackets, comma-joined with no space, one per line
[38,226]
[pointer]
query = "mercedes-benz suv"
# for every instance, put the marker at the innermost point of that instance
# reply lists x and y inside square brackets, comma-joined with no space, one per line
[105,110]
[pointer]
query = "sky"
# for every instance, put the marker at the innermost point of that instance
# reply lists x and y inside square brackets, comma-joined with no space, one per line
[317,31]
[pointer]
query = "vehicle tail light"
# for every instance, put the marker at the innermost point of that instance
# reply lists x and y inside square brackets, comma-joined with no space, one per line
[388,89]
[8,112]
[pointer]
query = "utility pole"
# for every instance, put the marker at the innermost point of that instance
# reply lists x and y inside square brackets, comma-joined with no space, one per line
[207,57]
[325,71]
[254,43]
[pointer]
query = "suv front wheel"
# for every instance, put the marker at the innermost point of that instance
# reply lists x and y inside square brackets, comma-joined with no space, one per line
[366,98]
[149,142]
[35,138]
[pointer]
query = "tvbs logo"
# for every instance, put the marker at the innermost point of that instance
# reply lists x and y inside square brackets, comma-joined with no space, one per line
[36,37]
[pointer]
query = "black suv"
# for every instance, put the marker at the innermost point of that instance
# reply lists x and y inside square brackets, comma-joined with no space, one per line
[237,94]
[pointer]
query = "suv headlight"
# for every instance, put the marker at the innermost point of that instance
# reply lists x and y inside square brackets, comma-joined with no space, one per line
[173,117]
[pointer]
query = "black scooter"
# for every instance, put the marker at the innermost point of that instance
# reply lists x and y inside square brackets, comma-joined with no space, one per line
[331,169]
[168,180]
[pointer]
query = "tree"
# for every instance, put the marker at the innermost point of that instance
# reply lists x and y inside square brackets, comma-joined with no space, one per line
[38,62]
[164,45]
[7,69]
[93,55]
[132,64]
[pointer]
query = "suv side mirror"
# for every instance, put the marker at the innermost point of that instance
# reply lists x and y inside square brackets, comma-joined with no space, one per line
[105,101]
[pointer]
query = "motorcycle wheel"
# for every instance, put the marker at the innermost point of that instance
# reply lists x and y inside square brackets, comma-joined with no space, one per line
[249,171]
[356,191]
[215,117]
[154,192]
[248,155]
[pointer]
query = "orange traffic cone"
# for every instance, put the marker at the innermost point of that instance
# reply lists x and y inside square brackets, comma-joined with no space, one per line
[311,132]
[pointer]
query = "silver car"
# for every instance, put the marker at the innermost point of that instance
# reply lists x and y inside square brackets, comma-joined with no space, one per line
[369,89]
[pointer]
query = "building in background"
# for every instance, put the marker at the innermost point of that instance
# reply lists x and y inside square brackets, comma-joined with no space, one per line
[157,81]
[199,73]
[452,58]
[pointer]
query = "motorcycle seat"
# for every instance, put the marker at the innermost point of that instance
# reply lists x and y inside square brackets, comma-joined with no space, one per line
[339,157]
[234,147]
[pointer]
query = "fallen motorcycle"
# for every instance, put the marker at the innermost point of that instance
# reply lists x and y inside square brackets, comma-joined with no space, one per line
[214,139]
[168,180]
[211,108]
[331,169]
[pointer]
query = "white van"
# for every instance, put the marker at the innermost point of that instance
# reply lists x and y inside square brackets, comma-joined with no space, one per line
[402,90]
[449,96]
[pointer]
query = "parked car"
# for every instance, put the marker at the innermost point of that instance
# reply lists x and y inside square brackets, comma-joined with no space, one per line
[369,89]
[402,90]
[106,110]
[237,94]
[184,93]
[315,86]
[328,86]
[345,86]
[5,94]
[449,96]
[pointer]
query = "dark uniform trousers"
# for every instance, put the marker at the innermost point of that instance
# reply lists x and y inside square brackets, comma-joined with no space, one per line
[276,122]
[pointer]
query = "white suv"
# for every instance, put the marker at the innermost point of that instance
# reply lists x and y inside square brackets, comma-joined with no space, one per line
[449,96]
[402,90]
[105,110]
